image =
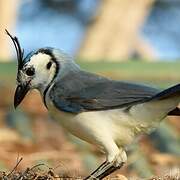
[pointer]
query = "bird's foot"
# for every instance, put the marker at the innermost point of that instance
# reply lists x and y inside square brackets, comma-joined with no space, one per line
[104,170]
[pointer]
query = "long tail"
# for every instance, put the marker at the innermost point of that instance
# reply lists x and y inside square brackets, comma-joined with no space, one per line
[159,106]
[170,93]
[175,112]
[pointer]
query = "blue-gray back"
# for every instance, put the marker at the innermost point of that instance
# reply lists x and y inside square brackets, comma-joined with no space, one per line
[82,91]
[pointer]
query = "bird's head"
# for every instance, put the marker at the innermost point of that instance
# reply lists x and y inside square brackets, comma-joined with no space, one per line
[39,69]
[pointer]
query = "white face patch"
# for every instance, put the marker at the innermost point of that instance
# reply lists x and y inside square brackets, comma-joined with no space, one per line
[43,75]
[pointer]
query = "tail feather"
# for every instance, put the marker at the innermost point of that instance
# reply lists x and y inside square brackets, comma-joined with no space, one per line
[175,112]
[165,102]
[168,93]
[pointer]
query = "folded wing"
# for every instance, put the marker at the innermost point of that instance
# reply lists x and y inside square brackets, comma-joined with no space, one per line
[82,91]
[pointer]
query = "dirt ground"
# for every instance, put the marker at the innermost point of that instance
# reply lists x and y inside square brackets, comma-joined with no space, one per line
[33,146]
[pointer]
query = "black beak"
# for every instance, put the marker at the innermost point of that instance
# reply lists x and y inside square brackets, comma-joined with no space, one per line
[20,93]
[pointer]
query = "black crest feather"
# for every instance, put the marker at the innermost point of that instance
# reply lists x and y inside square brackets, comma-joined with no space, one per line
[19,50]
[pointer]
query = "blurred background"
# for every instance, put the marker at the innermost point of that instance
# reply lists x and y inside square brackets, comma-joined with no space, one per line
[134,40]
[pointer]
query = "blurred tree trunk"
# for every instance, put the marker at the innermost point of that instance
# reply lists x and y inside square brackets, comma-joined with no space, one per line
[114,34]
[8,15]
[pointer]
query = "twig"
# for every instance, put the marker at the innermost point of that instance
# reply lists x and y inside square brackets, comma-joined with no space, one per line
[37,165]
[14,169]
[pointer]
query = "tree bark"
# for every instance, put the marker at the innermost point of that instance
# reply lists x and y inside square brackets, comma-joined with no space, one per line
[8,16]
[114,35]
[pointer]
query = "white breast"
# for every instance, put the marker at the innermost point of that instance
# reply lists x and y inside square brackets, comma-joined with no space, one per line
[98,126]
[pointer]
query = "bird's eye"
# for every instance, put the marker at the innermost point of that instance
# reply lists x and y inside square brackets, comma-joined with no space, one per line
[48,66]
[30,71]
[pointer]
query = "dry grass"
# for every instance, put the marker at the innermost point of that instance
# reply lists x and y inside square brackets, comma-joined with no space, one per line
[37,172]
[43,172]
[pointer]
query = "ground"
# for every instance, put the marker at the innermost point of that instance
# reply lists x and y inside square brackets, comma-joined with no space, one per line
[47,150]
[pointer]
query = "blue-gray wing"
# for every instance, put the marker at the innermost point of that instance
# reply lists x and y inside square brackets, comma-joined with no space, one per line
[82,91]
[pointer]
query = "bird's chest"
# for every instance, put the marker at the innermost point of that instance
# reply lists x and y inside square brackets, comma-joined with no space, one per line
[72,123]
[64,118]
[93,127]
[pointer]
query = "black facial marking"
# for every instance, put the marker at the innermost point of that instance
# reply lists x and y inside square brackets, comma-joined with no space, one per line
[49,51]
[45,51]
[48,66]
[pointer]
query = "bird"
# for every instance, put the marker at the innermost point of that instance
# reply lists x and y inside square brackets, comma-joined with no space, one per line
[109,114]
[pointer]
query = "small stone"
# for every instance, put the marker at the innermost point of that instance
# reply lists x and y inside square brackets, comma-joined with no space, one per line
[119,177]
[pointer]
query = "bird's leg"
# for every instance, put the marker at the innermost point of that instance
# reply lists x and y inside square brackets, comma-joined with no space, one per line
[108,167]
[92,174]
